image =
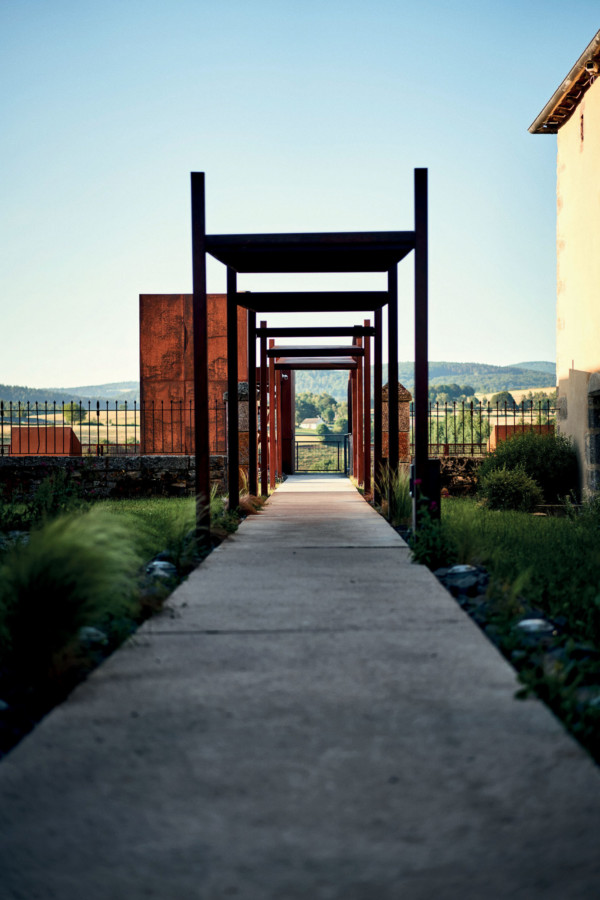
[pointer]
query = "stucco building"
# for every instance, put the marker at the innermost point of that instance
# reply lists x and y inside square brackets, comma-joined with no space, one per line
[573,114]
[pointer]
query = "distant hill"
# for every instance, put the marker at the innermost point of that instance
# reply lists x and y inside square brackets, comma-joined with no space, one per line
[548,367]
[482,377]
[115,391]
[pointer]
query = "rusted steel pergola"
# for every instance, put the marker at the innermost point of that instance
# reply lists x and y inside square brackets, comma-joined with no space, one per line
[354,358]
[298,253]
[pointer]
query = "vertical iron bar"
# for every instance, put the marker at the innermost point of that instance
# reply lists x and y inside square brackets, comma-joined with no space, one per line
[272,447]
[393,386]
[278,424]
[199,328]
[367,406]
[264,450]
[252,418]
[360,430]
[233,440]
[377,421]
[421,333]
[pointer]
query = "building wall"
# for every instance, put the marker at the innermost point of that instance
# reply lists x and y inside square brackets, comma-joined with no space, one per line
[578,277]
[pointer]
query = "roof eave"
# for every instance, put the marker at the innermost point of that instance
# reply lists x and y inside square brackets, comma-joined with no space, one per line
[561,106]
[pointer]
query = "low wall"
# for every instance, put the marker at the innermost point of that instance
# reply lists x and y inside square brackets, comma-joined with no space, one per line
[110,476]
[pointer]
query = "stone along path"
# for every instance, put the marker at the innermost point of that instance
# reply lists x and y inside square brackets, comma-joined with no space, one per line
[313,716]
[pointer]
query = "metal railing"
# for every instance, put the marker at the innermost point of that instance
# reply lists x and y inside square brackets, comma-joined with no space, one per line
[122,429]
[473,429]
[109,428]
[327,455]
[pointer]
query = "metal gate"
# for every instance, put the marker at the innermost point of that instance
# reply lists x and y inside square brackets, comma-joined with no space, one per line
[322,456]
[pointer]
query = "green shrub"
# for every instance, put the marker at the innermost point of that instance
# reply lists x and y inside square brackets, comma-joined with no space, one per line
[548,458]
[510,489]
[57,494]
[433,545]
[74,412]
[79,569]
[559,557]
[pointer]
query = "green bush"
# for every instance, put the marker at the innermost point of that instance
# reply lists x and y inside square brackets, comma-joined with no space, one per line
[432,545]
[79,569]
[548,458]
[510,489]
[74,412]
[57,494]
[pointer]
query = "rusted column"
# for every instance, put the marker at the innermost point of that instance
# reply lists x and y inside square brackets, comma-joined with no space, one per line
[392,455]
[264,451]
[421,337]
[377,419]
[367,407]
[199,319]
[278,431]
[353,380]
[252,418]
[360,418]
[233,443]
[272,447]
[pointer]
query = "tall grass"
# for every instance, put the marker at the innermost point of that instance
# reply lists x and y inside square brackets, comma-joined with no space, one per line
[159,524]
[395,487]
[75,570]
[557,560]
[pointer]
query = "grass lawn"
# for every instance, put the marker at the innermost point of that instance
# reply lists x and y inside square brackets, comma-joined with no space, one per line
[539,567]
[72,570]
[553,563]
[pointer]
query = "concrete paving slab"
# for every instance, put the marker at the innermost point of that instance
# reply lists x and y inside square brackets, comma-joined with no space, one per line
[301,723]
[317,531]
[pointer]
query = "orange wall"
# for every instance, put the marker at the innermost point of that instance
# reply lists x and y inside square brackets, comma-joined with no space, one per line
[167,369]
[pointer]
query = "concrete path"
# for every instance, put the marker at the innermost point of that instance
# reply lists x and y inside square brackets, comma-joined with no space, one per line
[312,717]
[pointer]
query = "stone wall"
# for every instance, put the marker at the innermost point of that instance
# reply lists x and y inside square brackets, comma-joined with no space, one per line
[106,476]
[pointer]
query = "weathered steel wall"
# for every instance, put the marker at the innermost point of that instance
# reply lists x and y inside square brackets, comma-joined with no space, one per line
[167,367]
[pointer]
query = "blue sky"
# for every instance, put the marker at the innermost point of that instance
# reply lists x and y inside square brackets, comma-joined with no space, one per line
[305,116]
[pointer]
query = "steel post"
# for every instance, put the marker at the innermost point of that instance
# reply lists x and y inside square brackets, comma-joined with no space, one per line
[200,330]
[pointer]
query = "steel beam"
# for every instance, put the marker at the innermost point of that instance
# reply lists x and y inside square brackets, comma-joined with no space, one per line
[233,438]
[360,419]
[264,450]
[377,412]
[316,331]
[252,417]
[392,382]
[281,351]
[200,330]
[278,429]
[367,409]
[272,447]
[421,337]
[312,301]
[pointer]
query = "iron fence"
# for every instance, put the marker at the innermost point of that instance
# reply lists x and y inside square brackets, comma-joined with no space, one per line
[109,428]
[322,456]
[122,429]
[474,429]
